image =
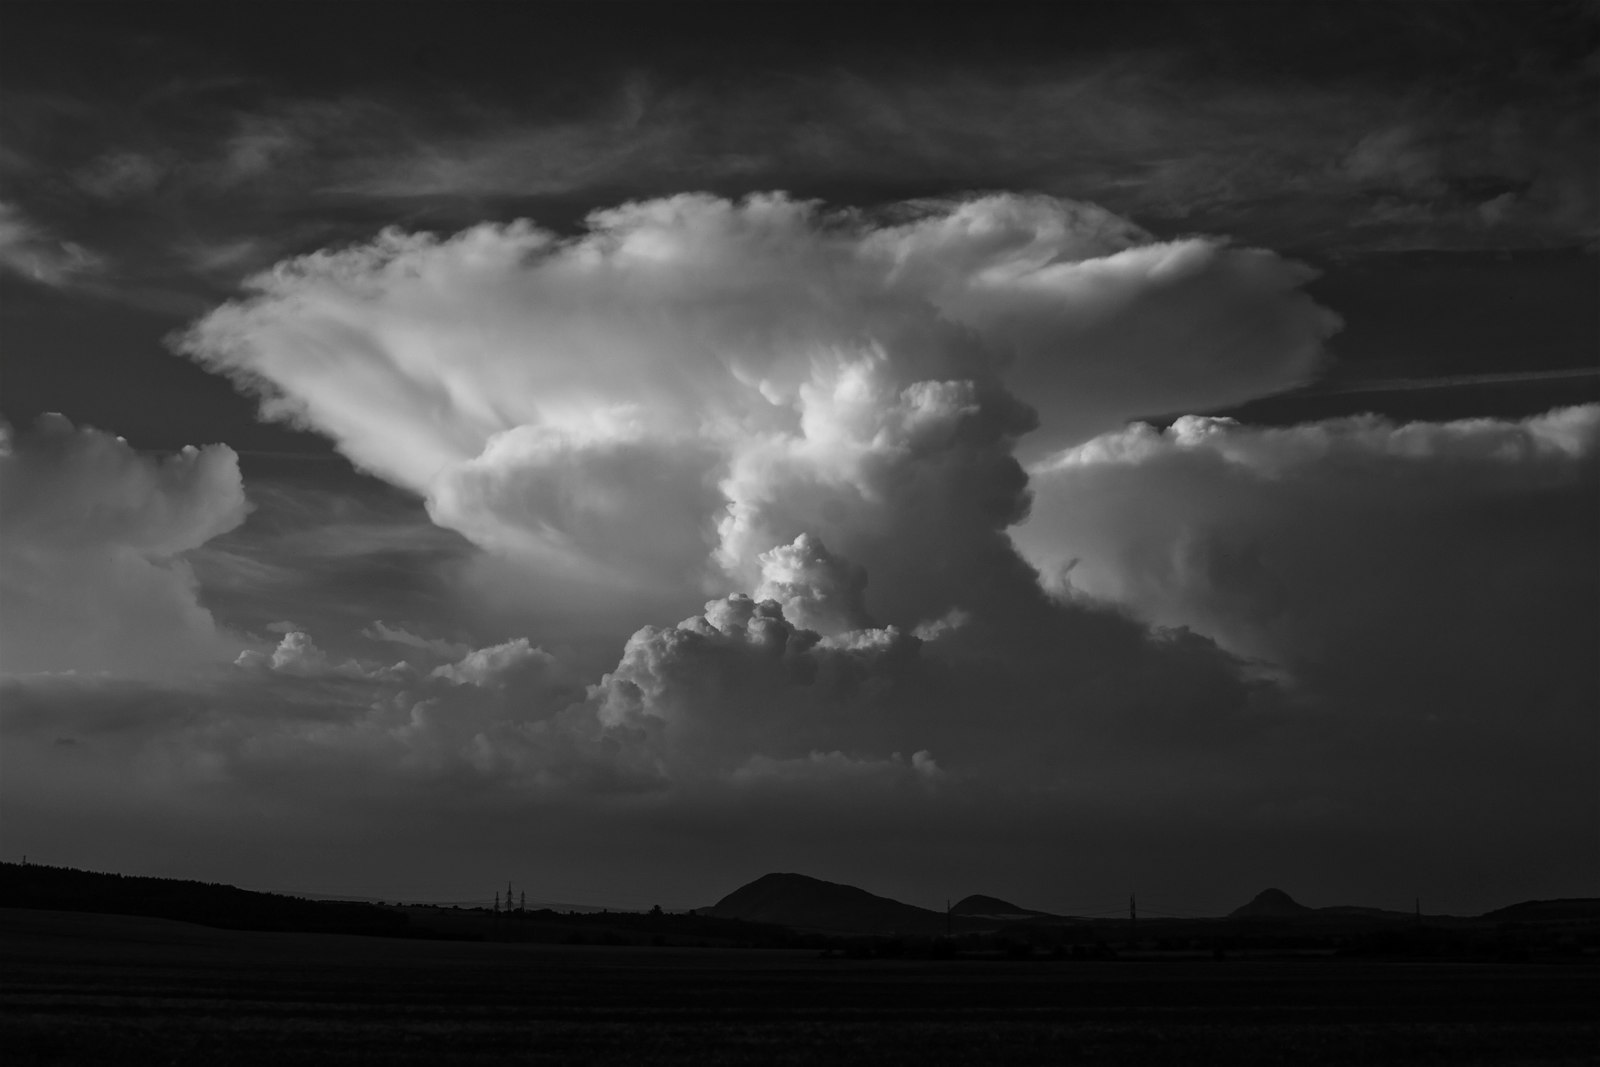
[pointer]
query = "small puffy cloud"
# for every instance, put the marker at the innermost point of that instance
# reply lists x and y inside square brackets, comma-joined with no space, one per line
[741,679]
[517,664]
[490,667]
[815,589]
[297,654]
[94,543]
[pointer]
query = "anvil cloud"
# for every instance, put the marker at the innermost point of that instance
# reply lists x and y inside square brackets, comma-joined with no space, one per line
[651,406]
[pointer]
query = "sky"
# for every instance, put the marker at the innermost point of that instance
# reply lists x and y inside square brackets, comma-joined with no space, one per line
[1045,451]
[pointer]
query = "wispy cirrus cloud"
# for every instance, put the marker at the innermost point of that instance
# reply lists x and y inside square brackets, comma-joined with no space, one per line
[1335,166]
[30,251]
[1317,166]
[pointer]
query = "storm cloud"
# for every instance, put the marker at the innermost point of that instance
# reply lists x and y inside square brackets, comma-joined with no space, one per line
[833,517]
[650,407]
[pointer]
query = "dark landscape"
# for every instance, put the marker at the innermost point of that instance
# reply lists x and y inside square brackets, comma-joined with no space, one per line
[253,984]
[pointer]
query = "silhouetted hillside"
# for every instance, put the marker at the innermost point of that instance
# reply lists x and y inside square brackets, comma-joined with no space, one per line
[804,903]
[1570,909]
[978,906]
[1271,904]
[209,904]
[1355,911]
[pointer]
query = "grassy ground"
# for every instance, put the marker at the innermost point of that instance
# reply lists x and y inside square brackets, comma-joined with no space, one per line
[108,989]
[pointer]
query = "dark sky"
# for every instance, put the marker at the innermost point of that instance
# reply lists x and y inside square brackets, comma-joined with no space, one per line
[1159,440]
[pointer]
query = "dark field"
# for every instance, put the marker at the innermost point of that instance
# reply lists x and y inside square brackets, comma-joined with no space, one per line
[82,988]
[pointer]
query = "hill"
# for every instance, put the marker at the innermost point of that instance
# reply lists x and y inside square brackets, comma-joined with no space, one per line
[209,904]
[979,906]
[804,903]
[126,901]
[1271,904]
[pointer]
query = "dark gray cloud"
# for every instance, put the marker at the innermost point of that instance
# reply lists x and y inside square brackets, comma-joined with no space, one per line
[95,542]
[195,157]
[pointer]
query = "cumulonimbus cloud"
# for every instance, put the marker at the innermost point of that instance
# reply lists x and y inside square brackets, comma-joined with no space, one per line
[655,404]
[93,546]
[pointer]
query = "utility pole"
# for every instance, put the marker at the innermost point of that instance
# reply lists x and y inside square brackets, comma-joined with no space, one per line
[523,906]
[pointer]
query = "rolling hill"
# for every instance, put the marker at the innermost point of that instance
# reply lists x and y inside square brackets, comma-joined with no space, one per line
[1271,904]
[804,903]
[981,907]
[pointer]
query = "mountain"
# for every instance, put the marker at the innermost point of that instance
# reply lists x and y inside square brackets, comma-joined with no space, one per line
[1271,904]
[1276,904]
[804,903]
[978,906]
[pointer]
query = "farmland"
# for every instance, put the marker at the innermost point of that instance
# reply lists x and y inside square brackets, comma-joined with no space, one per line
[80,988]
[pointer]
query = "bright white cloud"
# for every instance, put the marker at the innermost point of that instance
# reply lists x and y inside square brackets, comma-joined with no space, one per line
[92,556]
[298,655]
[648,409]
[741,680]
[815,589]
[490,667]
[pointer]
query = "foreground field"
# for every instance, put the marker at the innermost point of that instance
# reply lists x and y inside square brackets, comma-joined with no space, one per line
[79,988]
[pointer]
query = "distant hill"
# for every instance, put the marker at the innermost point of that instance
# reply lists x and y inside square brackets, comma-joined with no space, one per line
[133,899]
[978,906]
[1278,905]
[804,903]
[1271,904]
